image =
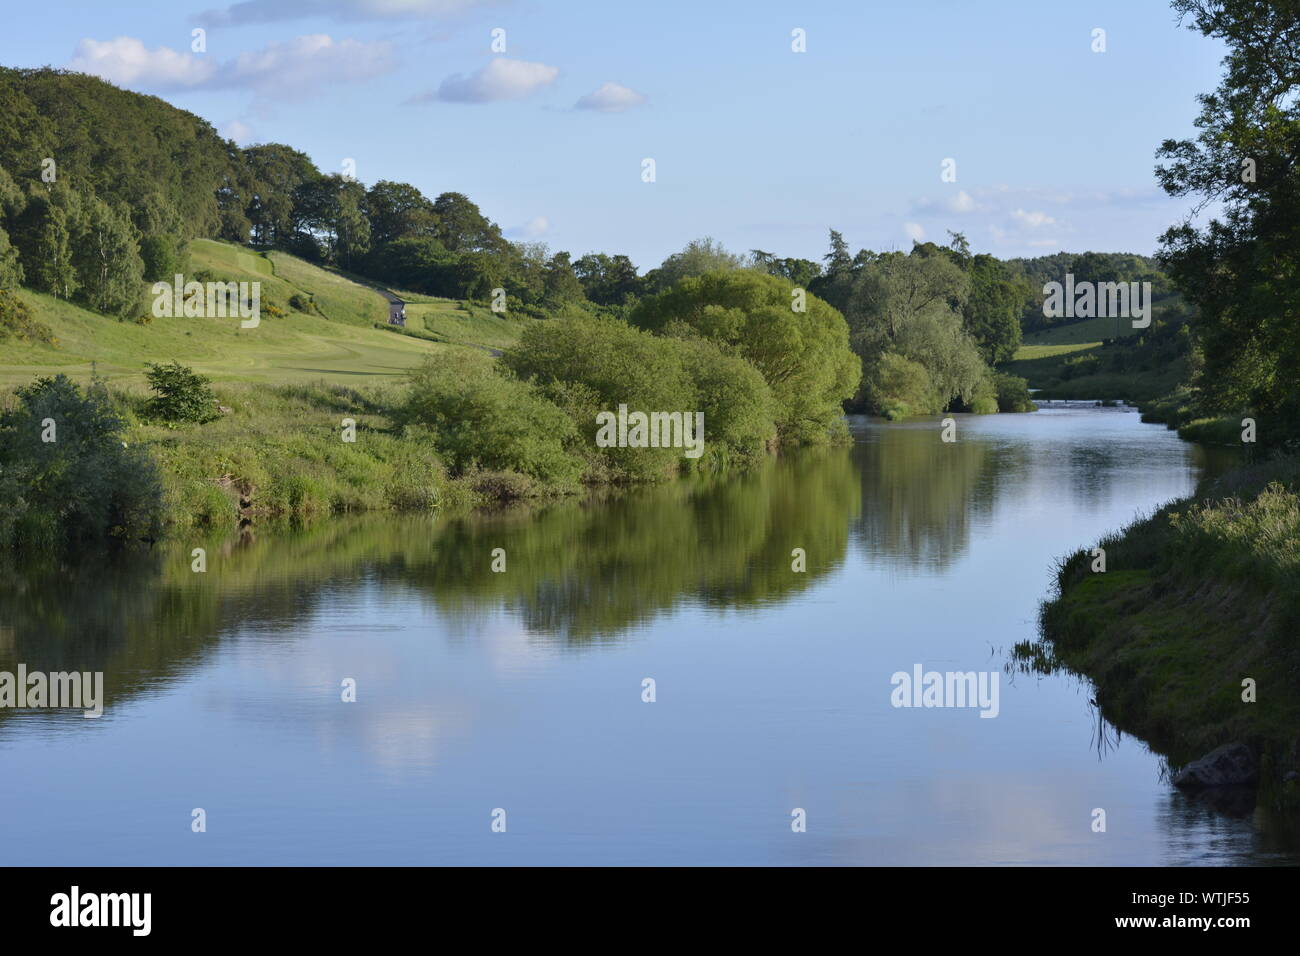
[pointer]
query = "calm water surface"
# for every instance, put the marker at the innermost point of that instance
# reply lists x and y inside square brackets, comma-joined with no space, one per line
[522,690]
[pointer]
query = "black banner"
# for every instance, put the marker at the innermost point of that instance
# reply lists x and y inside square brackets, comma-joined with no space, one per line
[298,905]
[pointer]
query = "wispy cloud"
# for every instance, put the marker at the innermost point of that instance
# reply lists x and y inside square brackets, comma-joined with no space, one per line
[293,68]
[501,79]
[610,98]
[1018,216]
[268,11]
[310,61]
[239,131]
[959,203]
[532,229]
[1032,220]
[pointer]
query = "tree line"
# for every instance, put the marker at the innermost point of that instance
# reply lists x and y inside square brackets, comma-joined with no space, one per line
[101,189]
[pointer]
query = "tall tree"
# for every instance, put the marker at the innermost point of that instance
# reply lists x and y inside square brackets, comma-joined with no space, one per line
[463,228]
[277,172]
[991,312]
[1240,269]
[607,280]
[699,257]
[44,237]
[398,211]
[106,253]
[562,285]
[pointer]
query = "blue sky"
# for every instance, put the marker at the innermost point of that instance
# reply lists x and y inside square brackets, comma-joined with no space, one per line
[754,144]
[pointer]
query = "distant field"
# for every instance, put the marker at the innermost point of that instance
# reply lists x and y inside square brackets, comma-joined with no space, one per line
[1061,340]
[1030,353]
[1077,337]
[340,345]
[1085,332]
[1064,362]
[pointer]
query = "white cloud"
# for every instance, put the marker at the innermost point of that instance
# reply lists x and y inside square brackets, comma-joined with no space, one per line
[1012,216]
[501,79]
[266,11]
[1033,219]
[285,69]
[610,98]
[309,61]
[127,62]
[239,131]
[914,231]
[959,204]
[537,226]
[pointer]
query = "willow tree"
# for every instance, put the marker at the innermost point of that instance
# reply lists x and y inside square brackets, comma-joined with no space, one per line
[799,343]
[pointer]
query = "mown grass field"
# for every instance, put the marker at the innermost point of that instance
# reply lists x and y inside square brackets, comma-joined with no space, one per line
[1066,340]
[1061,362]
[455,322]
[1082,333]
[339,344]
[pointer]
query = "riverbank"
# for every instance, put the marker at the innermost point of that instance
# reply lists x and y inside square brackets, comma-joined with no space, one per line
[297,452]
[1189,634]
[1179,410]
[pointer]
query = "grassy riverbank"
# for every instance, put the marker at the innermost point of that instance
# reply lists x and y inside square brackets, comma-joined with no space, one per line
[1181,410]
[1195,599]
[95,457]
[280,452]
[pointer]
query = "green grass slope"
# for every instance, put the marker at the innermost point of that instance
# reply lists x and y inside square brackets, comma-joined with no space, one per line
[446,320]
[339,345]
[345,340]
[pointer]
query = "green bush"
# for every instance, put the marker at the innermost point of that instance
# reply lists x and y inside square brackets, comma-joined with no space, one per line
[1012,393]
[475,416]
[739,408]
[804,356]
[900,388]
[501,486]
[163,256]
[183,395]
[17,320]
[1221,430]
[67,476]
[590,365]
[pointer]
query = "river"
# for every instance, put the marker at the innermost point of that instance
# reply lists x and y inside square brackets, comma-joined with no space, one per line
[515,700]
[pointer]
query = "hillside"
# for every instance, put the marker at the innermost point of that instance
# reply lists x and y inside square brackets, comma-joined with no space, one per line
[1104,358]
[345,341]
